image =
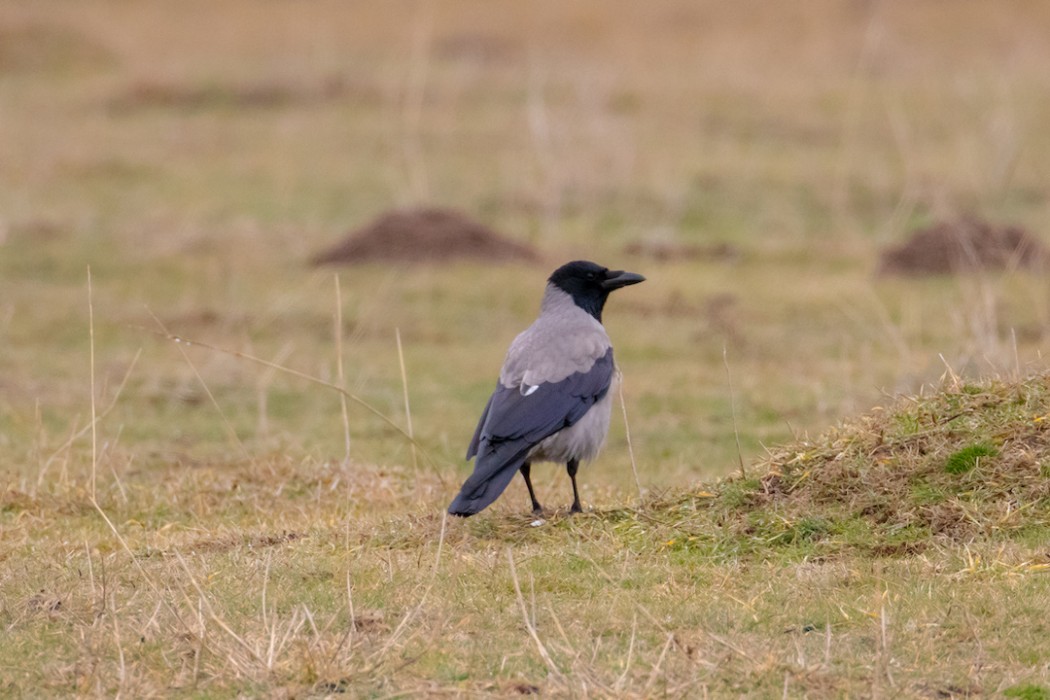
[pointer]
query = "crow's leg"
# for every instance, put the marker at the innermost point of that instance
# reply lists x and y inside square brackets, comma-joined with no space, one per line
[526,471]
[571,467]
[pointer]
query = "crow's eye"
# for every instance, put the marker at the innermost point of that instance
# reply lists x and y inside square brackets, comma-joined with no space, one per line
[592,276]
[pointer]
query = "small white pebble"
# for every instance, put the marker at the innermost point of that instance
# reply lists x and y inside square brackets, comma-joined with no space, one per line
[538,523]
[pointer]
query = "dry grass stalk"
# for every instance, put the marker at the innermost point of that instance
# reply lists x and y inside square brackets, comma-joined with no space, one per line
[404,391]
[181,342]
[627,435]
[339,366]
[732,409]
[529,626]
[94,422]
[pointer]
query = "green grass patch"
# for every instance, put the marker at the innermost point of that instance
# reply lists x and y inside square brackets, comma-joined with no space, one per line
[966,459]
[1027,692]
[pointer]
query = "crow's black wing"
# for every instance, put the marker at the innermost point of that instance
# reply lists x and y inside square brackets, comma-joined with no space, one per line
[518,418]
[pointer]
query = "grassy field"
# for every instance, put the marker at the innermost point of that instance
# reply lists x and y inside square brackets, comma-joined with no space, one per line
[221,530]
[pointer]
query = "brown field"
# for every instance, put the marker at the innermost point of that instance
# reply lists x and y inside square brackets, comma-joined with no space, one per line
[223,527]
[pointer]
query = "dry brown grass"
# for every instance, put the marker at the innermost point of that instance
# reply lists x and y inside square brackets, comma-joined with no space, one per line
[195,156]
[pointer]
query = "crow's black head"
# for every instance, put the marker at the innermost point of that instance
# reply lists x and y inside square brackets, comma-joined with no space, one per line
[589,284]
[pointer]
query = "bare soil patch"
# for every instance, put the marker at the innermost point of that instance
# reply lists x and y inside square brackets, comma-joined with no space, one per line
[964,245]
[424,234]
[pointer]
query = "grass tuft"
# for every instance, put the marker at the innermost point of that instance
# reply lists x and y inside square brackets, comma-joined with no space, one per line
[966,459]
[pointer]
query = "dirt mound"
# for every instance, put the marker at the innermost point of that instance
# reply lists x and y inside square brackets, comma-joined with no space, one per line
[965,462]
[964,245]
[426,234]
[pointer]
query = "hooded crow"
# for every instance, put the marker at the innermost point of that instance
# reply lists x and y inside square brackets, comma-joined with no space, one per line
[552,402]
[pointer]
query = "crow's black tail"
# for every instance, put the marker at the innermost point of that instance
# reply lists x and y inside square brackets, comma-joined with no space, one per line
[492,472]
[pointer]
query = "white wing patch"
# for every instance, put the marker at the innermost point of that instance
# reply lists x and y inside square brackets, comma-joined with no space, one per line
[527,390]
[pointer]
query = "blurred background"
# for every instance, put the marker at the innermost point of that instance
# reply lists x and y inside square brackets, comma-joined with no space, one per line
[833,201]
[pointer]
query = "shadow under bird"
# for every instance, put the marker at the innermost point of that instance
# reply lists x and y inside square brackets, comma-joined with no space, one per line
[553,399]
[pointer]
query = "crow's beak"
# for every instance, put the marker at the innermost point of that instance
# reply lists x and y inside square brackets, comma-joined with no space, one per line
[619,278]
